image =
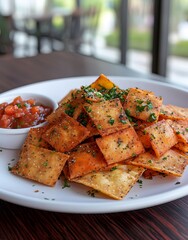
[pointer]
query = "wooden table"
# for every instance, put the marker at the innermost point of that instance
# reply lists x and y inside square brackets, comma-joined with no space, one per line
[168,221]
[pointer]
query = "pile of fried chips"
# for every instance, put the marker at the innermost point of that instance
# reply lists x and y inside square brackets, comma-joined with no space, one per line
[106,138]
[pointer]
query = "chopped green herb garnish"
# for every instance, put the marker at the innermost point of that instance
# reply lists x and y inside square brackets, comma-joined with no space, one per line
[113,168]
[140,108]
[45,163]
[88,109]
[152,136]
[123,121]
[111,121]
[26,105]
[139,181]
[114,93]
[18,105]
[119,142]
[177,183]
[122,118]
[91,93]
[128,113]
[66,184]
[139,101]
[70,109]
[9,168]
[92,192]
[152,117]
[83,118]
[65,127]
[149,105]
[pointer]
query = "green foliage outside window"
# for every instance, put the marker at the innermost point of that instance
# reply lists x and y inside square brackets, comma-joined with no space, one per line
[141,41]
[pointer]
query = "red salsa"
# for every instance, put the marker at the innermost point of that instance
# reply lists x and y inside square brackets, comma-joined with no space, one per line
[22,113]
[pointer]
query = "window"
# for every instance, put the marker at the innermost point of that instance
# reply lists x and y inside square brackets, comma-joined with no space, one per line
[178,43]
[140,35]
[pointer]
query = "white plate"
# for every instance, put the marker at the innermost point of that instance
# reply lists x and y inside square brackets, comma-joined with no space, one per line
[75,198]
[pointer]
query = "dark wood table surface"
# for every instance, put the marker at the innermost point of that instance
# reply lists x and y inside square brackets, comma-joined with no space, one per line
[166,221]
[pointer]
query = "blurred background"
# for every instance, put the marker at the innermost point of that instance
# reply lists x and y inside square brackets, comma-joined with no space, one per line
[146,35]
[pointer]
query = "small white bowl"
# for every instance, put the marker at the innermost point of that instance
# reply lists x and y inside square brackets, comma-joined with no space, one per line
[14,138]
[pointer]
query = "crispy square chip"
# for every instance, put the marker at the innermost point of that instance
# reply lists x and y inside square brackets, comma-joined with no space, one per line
[65,134]
[172,162]
[34,137]
[114,183]
[85,158]
[173,112]
[70,104]
[108,116]
[54,116]
[102,82]
[72,94]
[162,137]
[180,128]
[143,104]
[120,145]
[40,165]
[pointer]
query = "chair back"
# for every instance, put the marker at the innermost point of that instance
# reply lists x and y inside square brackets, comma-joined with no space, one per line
[6,27]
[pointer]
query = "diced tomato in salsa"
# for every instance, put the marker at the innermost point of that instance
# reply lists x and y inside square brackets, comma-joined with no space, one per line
[22,113]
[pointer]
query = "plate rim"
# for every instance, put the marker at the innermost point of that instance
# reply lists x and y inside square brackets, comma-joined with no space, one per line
[56,206]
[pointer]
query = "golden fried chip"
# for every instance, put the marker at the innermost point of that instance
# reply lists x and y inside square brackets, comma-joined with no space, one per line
[173,112]
[108,116]
[102,82]
[70,96]
[34,137]
[180,128]
[65,134]
[172,162]
[85,158]
[120,145]
[40,165]
[143,104]
[72,107]
[162,137]
[115,183]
